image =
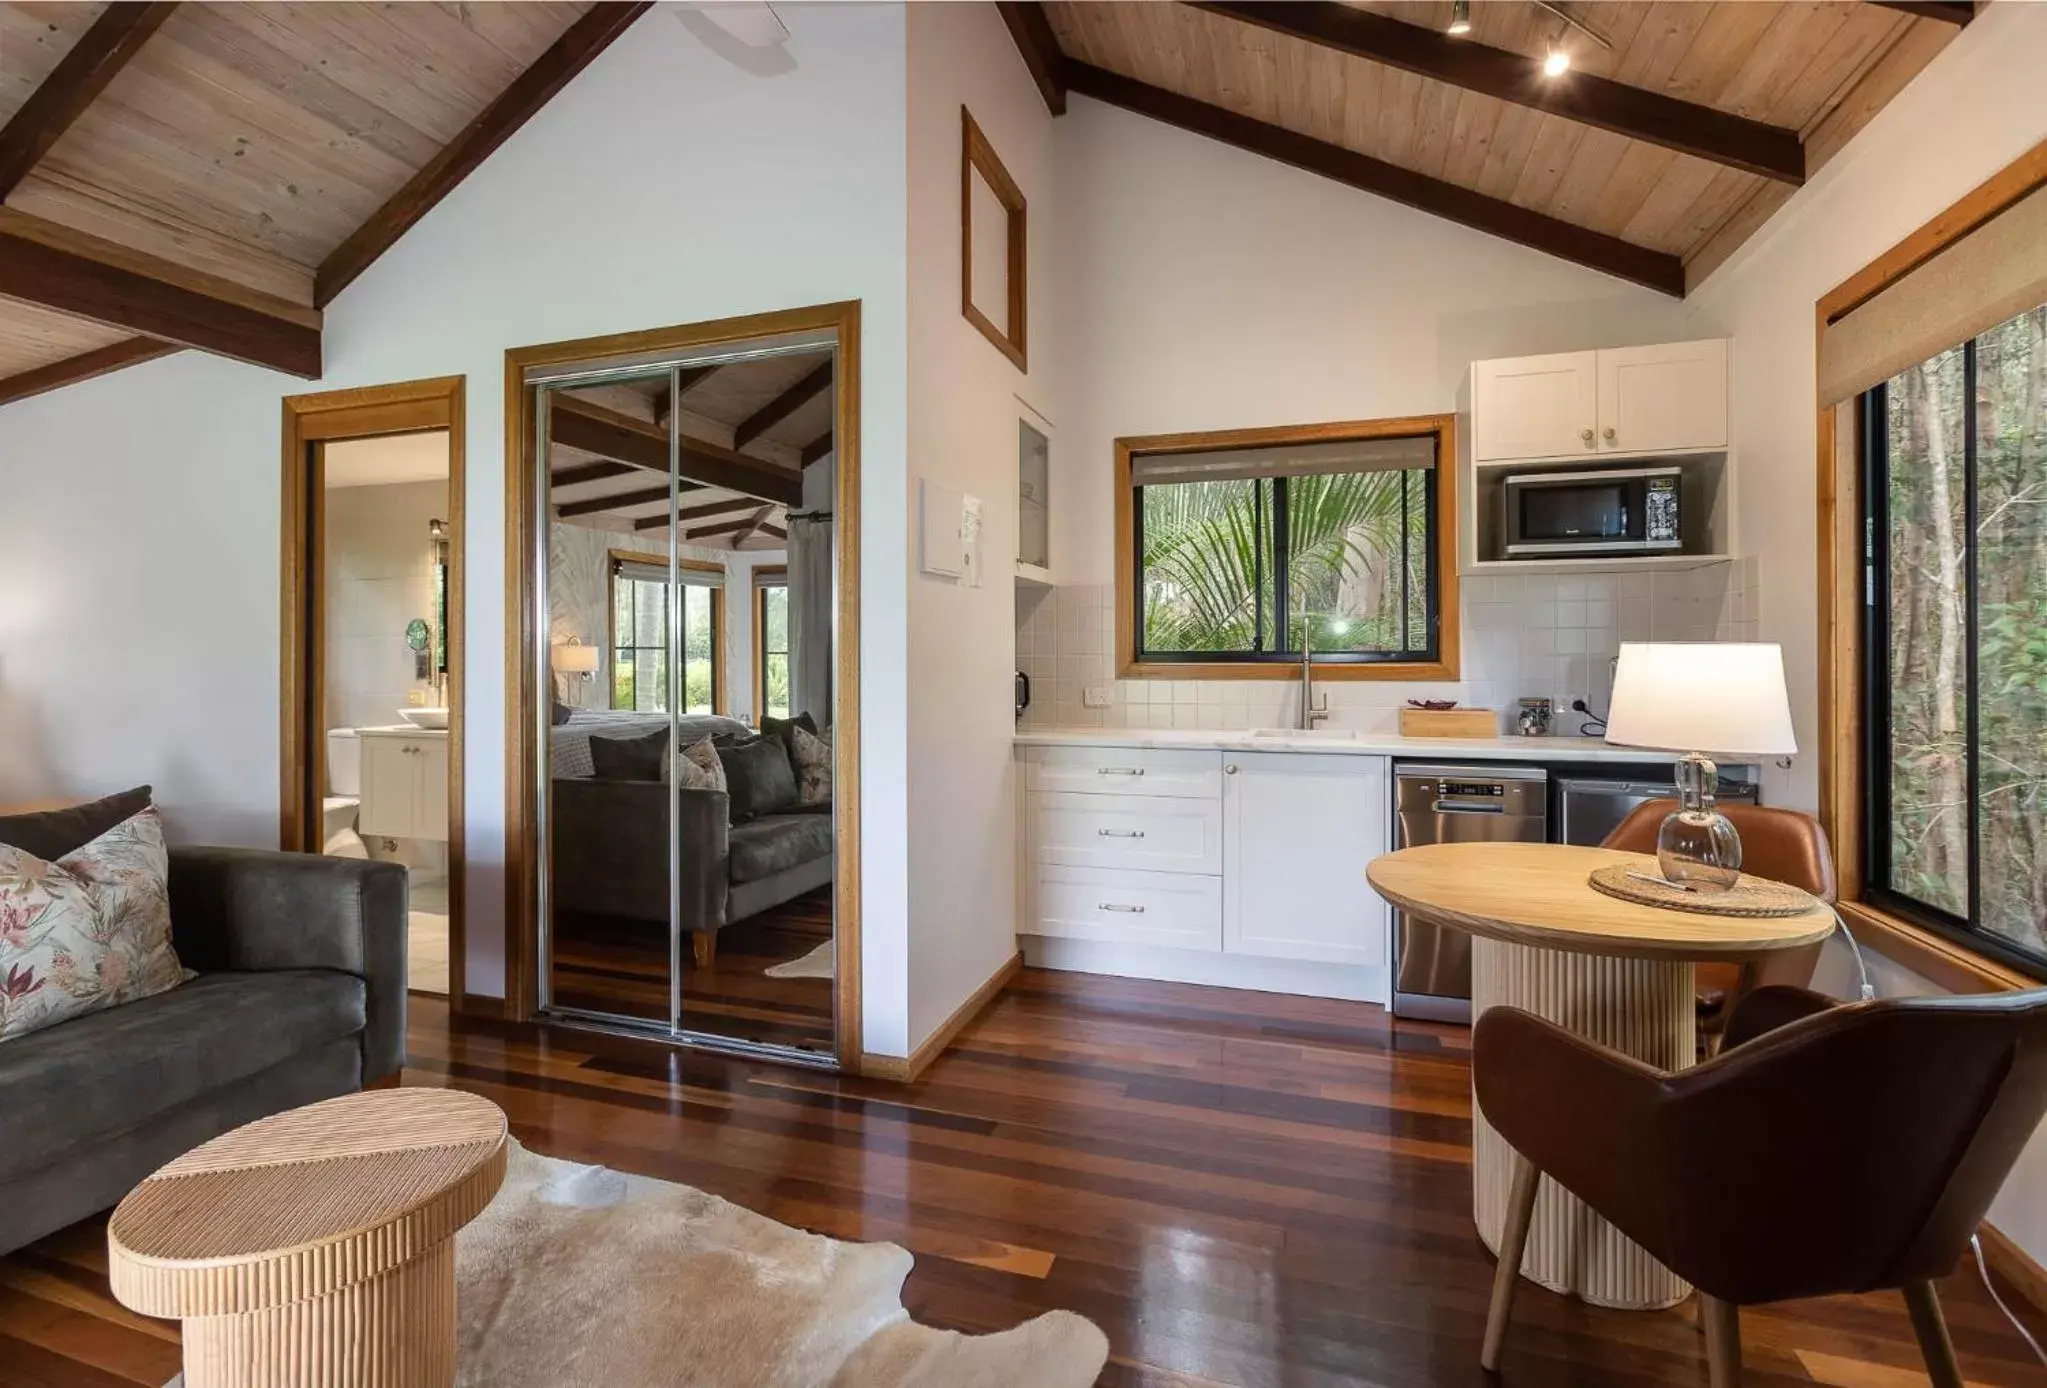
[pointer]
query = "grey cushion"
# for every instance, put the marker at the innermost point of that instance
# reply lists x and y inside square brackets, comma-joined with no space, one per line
[53,833]
[758,777]
[778,728]
[629,758]
[776,844]
[96,1076]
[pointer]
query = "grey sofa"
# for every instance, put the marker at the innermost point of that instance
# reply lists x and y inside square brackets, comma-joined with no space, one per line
[610,855]
[300,996]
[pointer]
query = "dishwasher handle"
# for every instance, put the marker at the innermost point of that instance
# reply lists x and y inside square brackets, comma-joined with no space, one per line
[1469,807]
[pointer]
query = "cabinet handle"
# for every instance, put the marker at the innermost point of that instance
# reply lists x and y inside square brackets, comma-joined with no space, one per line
[1119,771]
[1113,906]
[1121,833]
[1585,434]
[1609,434]
[1230,770]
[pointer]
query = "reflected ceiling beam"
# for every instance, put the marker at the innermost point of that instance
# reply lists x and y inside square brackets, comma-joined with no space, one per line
[71,272]
[690,513]
[1039,48]
[620,500]
[685,378]
[586,472]
[746,531]
[640,443]
[83,367]
[532,89]
[815,382]
[1704,132]
[816,449]
[1551,235]
[83,73]
[774,532]
[1955,12]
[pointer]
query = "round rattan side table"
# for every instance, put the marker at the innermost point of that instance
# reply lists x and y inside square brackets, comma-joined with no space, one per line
[315,1248]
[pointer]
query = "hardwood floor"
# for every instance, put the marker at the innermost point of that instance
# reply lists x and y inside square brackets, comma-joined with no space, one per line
[1239,1188]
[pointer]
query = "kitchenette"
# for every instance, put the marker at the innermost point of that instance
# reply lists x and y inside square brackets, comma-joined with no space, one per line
[1181,817]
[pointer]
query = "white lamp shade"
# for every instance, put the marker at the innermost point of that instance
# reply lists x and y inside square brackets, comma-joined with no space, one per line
[1704,696]
[575,659]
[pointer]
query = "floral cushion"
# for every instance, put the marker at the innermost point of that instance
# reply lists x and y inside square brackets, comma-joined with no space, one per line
[91,930]
[699,767]
[811,756]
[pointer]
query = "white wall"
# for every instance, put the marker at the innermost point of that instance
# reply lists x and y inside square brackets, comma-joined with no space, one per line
[1976,108]
[963,432]
[157,659]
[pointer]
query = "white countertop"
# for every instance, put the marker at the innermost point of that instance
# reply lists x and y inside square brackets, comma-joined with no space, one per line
[401,730]
[1361,743]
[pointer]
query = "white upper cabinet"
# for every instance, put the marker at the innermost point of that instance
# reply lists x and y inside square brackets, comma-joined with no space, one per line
[1667,398]
[1663,399]
[1535,407]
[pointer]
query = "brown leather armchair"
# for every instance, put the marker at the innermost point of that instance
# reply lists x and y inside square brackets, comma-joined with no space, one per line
[1828,1149]
[1782,845]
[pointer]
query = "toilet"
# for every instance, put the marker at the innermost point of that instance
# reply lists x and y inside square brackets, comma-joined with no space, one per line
[343,801]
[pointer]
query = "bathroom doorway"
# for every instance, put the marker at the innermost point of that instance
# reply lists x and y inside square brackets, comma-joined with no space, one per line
[372,677]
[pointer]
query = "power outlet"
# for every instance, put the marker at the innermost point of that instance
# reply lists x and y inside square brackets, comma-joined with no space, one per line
[1096,696]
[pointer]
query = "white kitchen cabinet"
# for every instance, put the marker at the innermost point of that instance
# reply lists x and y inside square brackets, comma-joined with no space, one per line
[1534,407]
[1151,833]
[1667,398]
[1298,831]
[404,786]
[1179,910]
[1621,402]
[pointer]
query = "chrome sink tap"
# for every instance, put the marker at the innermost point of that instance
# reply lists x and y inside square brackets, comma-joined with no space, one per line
[1310,715]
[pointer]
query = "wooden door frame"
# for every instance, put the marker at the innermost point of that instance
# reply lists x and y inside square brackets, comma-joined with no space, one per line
[523,686]
[409,407]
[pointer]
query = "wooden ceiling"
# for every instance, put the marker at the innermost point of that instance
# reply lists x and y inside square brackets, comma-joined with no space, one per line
[1653,157]
[212,175]
[748,428]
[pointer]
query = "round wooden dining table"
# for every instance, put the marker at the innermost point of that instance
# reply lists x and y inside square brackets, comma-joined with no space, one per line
[1616,972]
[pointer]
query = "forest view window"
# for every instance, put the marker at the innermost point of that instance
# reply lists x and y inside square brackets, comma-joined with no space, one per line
[771,639]
[1242,553]
[640,636]
[1955,456]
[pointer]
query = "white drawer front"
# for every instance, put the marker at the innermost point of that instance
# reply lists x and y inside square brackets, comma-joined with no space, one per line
[1191,773]
[1181,910]
[1150,833]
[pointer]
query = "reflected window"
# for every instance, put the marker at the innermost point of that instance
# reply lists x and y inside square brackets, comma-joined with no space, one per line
[771,627]
[641,630]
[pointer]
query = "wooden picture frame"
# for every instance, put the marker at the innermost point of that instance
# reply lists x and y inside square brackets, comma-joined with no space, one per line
[1446,664]
[977,156]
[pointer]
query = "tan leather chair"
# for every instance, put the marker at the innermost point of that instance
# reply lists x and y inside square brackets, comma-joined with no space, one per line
[1828,1150]
[1782,845]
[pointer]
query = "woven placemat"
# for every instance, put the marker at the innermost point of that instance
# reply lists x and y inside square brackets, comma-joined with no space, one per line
[1749,896]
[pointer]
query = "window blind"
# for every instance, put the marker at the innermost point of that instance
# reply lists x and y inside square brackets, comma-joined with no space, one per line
[658,573]
[1995,273]
[1285,460]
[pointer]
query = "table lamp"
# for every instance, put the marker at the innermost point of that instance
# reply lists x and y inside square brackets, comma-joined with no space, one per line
[572,657]
[1697,697]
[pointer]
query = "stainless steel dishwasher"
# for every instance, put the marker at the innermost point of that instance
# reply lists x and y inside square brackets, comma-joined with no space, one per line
[1592,807]
[1454,804]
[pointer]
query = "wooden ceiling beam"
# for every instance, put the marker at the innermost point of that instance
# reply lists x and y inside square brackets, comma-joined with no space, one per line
[1955,12]
[1039,48]
[816,448]
[618,500]
[577,473]
[52,267]
[77,80]
[591,428]
[1551,235]
[83,367]
[690,513]
[738,532]
[815,382]
[1687,127]
[532,89]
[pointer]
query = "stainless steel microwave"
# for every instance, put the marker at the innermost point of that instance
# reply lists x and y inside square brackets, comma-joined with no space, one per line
[1608,511]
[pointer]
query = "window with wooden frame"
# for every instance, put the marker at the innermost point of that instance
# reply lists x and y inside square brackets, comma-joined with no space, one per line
[641,632]
[1932,366]
[770,642]
[994,239]
[1236,547]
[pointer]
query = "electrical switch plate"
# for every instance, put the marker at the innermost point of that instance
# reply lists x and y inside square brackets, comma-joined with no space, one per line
[1095,696]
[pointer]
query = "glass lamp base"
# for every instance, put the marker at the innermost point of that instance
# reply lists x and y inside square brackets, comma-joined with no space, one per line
[1697,847]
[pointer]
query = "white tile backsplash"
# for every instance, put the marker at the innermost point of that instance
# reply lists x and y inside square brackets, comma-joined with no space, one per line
[1531,635]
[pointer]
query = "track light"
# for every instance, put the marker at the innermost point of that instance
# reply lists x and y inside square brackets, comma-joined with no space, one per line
[1557,63]
[1460,17]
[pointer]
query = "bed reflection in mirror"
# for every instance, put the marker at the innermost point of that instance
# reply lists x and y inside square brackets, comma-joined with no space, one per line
[690,612]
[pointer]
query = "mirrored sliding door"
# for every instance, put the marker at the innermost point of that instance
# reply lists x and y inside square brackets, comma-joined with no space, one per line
[688,590]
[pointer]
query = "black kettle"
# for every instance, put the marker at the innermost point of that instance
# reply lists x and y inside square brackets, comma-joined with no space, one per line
[1023,693]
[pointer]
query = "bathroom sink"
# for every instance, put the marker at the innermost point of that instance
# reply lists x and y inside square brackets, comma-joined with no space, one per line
[1311,734]
[425,717]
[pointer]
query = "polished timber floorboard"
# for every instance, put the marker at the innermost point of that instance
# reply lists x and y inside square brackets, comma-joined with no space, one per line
[1239,1188]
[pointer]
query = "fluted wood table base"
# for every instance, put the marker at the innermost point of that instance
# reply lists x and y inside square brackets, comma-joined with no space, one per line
[1640,1007]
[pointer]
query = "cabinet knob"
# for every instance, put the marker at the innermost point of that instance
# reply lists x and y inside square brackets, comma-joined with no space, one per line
[1230,769]
[1608,433]
[1585,434]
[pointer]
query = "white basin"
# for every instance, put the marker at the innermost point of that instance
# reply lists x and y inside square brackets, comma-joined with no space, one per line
[425,717]
[1312,734]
